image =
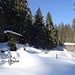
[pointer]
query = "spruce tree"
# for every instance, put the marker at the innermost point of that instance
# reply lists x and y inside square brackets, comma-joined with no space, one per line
[3,24]
[59,34]
[24,17]
[56,35]
[62,36]
[27,29]
[38,23]
[51,30]
[68,33]
[65,33]
[7,6]
[12,43]
[73,29]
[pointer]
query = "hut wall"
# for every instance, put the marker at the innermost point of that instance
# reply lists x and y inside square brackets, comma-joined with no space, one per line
[70,48]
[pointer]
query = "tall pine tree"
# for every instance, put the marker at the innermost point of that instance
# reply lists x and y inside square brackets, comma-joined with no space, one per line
[51,30]
[38,23]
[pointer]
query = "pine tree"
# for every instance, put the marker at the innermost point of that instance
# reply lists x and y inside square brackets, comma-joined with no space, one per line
[24,17]
[49,22]
[73,29]
[68,33]
[65,33]
[38,23]
[62,36]
[56,35]
[3,24]
[27,29]
[7,6]
[51,30]
[21,11]
[59,34]
[12,43]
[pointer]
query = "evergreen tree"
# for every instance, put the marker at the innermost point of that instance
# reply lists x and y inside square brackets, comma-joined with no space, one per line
[12,43]
[68,33]
[73,29]
[7,6]
[51,30]
[59,34]
[65,33]
[3,24]
[38,23]
[56,35]
[49,22]
[24,17]
[27,29]
[18,17]
[62,35]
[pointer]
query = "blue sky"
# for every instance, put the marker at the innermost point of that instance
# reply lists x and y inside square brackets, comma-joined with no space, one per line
[61,10]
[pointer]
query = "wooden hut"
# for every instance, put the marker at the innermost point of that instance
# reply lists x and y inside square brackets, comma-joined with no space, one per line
[10,34]
[70,47]
[17,36]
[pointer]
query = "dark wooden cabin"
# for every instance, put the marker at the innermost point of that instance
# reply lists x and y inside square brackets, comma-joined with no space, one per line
[10,34]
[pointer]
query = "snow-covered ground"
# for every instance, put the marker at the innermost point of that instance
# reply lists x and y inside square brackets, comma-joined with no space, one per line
[36,62]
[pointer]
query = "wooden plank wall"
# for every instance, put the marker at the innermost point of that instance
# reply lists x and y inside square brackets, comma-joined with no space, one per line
[70,48]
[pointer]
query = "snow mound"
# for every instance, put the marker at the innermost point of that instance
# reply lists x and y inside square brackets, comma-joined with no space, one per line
[4,46]
[25,60]
[32,50]
[28,59]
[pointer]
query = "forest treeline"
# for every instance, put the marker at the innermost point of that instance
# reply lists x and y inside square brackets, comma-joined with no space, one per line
[15,15]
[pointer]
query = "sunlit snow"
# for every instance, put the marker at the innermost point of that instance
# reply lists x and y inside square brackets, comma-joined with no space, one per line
[36,62]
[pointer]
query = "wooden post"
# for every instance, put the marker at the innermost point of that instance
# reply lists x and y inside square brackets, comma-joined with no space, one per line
[24,47]
[56,56]
[9,61]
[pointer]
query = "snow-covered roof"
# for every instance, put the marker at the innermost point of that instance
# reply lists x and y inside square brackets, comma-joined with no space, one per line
[8,31]
[67,43]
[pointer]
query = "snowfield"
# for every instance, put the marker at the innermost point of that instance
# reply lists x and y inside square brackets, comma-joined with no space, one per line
[36,62]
